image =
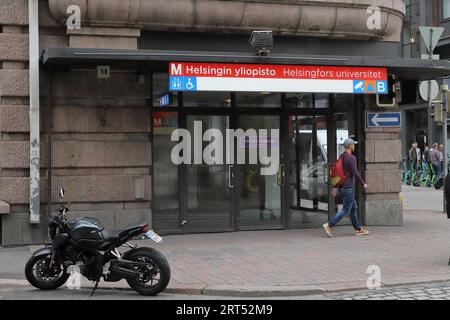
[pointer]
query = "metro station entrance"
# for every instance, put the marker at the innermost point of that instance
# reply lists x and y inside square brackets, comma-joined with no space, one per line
[230,196]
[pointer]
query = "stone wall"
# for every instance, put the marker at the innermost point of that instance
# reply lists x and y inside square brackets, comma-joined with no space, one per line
[101,137]
[383,176]
[14,115]
[101,134]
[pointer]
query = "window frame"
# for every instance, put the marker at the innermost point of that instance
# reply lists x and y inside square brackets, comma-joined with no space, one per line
[441,11]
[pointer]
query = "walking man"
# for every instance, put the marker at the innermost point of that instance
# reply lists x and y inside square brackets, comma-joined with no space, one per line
[347,190]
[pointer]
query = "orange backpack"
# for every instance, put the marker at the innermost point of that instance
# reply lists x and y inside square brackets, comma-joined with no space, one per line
[338,175]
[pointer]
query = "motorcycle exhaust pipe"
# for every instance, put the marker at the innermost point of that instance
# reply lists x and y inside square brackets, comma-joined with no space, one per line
[123,272]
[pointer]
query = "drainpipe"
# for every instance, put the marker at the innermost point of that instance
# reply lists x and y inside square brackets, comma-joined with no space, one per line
[33,22]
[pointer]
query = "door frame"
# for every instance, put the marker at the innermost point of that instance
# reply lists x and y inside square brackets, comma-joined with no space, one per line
[329,114]
[183,114]
[331,136]
[233,114]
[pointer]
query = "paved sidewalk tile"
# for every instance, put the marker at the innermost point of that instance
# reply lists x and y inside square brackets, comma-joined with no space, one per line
[418,252]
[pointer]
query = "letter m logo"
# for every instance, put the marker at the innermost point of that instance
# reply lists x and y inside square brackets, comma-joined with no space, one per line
[176,69]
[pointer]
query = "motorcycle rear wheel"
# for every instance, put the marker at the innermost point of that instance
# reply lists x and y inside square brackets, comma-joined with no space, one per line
[158,273]
[41,277]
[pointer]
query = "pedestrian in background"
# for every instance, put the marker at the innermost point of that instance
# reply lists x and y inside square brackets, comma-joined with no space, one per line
[441,158]
[425,160]
[419,157]
[413,159]
[435,160]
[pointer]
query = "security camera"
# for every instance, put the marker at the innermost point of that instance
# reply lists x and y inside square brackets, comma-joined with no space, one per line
[262,42]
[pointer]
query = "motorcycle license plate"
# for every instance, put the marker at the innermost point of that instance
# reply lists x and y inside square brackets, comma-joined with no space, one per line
[152,235]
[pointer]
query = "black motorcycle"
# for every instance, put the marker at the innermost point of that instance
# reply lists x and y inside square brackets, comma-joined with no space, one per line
[85,244]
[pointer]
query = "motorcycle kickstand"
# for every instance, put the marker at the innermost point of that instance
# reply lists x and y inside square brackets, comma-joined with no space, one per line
[95,287]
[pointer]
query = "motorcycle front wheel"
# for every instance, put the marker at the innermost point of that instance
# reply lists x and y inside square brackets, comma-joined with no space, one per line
[155,277]
[40,275]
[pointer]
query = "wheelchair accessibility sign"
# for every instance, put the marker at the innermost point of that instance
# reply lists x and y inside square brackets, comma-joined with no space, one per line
[183,83]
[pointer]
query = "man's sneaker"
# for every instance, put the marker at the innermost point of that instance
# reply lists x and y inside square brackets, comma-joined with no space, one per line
[362,232]
[327,228]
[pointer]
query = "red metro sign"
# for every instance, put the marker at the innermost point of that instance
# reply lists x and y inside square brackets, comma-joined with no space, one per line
[276,78]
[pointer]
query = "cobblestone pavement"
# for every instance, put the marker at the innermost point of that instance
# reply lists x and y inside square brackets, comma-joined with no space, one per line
[429,291]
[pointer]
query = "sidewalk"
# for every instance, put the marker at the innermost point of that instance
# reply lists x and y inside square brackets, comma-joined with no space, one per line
[292,262]
[422,198]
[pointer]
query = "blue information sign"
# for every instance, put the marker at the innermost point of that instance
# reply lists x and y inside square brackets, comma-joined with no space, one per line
[383,119]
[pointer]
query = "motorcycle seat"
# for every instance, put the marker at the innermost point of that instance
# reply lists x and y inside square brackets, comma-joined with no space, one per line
[116,235]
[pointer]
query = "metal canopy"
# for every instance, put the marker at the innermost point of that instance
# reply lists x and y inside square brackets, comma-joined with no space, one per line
[404,68]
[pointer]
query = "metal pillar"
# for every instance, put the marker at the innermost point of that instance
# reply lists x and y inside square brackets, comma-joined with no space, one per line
[444,89]
[430,102]
[33,18]
[49,147]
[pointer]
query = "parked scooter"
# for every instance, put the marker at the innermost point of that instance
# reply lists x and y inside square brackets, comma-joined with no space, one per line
[84,243]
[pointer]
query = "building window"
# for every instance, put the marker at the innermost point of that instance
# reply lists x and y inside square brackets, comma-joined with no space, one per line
[445,9]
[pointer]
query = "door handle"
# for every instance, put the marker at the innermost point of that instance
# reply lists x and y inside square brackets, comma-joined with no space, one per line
[280,175]
[230,177]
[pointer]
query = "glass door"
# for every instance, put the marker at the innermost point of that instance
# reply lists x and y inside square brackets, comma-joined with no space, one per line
[166,191]
[259,180]
[307,171]
[208,177]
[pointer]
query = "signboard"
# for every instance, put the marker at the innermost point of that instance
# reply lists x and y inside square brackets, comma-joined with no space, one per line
[424,88]
[276,78]
[103,72]
[431,36]
[164,100]
[165,120]
[383,119]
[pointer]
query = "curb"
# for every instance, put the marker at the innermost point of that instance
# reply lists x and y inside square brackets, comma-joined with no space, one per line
[262,291]
[254,291]
[13,283]
[213,290]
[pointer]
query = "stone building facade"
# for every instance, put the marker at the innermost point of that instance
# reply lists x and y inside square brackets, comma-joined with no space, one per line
[101,145]
[100,130]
